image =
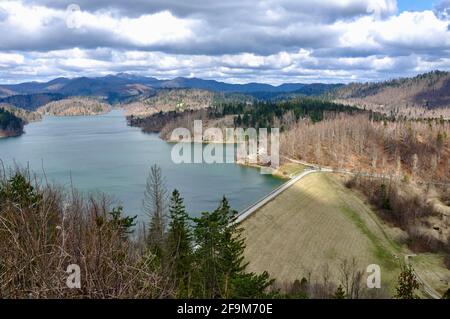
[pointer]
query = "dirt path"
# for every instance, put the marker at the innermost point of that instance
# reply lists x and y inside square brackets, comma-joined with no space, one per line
[426,287]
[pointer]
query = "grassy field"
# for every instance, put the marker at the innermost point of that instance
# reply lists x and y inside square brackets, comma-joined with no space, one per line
[314,226]
[318,223]
[430,268]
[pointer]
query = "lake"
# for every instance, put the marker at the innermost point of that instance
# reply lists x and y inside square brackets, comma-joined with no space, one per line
[102,153]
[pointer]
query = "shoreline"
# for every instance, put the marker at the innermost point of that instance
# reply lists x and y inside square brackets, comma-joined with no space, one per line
[278,173]
[3,134]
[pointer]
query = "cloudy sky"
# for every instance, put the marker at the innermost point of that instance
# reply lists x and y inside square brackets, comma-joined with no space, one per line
[271,41]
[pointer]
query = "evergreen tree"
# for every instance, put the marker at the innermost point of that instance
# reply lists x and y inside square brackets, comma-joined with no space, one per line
[407,283]
[250,285]
[179,245]
[10,122]
[340,293]
[18,190]
[123,224]
[446,295]
[233,245]
[219,258]
[238,121]
[207,238]
[246,120]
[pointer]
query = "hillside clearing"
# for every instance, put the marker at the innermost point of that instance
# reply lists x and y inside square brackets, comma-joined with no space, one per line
[430,269]
[314,225]
[317,224]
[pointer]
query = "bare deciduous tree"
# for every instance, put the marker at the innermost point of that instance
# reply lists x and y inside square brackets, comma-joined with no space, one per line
[155,206]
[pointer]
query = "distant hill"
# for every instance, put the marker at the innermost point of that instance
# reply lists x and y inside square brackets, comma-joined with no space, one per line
[113,88]
[213,85]
[74,106]
[166,100]
[315,89]
[31,102]
[424,95]
[4,92]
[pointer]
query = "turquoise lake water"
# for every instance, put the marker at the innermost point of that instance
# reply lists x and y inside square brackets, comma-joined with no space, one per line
[103,154]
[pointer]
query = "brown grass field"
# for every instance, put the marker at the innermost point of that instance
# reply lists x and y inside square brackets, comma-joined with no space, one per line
[315,225]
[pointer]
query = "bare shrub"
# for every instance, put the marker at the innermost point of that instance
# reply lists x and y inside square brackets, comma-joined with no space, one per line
[43,229]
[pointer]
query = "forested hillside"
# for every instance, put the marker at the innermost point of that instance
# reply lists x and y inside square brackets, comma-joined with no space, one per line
[31,102]
[426,95]
[25,115]
[403,167]
[10,125]
[74,107]
[224,114]
[180,100]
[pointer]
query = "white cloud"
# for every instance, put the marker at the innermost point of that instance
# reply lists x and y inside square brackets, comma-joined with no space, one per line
[7,59]
[238,40]
[151,29]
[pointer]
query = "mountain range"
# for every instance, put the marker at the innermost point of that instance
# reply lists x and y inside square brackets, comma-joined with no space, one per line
[425,95]
[116,88]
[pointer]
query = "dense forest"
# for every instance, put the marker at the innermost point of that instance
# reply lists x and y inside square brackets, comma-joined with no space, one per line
[10,125]
[283,114]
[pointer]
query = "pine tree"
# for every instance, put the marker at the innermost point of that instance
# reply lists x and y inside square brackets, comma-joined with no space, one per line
[207,238]
[407,283]
[340,293]
[238,121]
[19,191]
[180,245]
[123,224]
[233,245]
[219,258]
